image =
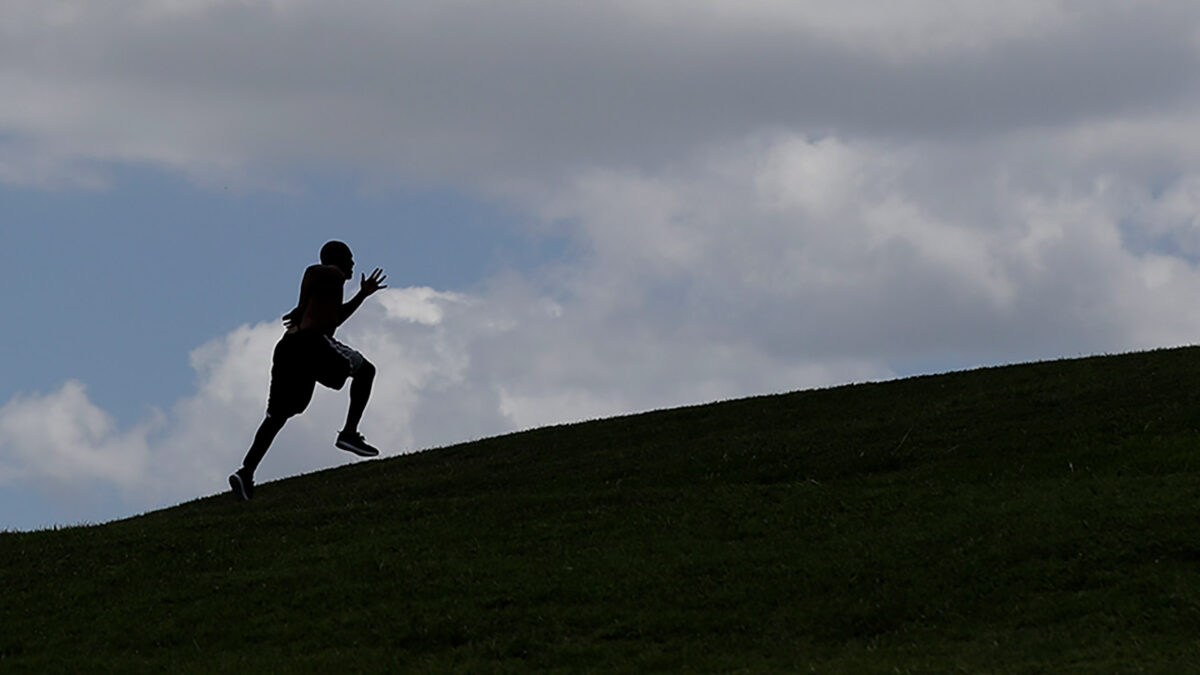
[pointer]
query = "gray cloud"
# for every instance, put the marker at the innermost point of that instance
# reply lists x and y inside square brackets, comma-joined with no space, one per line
[447,90]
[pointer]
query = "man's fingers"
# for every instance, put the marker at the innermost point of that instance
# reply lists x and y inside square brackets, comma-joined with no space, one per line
[375,281]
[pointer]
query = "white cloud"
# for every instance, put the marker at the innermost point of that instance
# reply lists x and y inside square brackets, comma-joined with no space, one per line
[62,437]
[833,248]
[418,305]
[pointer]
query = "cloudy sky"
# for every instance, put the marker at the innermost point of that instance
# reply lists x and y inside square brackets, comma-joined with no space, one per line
[584,208]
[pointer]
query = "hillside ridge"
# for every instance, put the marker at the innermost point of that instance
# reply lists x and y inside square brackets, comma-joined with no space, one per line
[1023,518]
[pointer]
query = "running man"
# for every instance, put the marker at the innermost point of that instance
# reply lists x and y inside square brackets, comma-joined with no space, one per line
[308,354]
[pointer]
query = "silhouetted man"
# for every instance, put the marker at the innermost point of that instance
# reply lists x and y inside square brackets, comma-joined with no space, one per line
[308,354]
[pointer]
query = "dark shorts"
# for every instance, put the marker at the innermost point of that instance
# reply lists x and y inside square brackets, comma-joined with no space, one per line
[301,360]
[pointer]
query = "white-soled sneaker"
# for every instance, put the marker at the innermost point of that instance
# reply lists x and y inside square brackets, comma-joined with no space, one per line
[353,442]
[243,485]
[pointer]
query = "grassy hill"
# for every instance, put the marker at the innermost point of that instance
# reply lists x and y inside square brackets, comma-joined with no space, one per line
[1033,518]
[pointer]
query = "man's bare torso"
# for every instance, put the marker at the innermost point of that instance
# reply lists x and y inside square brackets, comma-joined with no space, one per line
[321,299]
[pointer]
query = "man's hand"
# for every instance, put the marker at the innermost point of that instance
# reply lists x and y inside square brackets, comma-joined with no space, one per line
[373,283]
[291,320]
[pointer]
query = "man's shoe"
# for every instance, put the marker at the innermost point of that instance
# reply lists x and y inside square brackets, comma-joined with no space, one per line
[353,442]
[243,485]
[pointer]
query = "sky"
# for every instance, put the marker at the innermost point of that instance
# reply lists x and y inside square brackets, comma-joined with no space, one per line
[584,209]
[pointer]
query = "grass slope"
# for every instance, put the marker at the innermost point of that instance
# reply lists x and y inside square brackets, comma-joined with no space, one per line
[1033,518]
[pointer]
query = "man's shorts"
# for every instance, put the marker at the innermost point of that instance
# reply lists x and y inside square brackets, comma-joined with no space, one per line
[302,359]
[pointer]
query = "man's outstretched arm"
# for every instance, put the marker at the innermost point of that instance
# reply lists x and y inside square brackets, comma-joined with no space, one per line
[366,287]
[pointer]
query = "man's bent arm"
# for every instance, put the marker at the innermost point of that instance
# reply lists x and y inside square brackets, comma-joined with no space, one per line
[350,306]
[367,286]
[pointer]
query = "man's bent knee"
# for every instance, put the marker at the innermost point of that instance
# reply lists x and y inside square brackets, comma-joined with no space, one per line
[366,371]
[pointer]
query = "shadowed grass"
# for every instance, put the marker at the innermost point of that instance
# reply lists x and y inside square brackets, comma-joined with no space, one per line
[1034,518]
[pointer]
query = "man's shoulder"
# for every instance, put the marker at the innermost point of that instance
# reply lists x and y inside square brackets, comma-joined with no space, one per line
[320,271]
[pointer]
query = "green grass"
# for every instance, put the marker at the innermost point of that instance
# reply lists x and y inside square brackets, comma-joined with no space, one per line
[1033,518]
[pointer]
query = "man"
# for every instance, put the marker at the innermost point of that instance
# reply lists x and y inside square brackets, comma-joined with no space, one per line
[308,354]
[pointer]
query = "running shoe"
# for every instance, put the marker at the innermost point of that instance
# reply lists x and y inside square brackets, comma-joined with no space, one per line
[353,442]
[242,484]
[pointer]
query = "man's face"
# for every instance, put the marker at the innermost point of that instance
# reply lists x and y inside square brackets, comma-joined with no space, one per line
[347,267]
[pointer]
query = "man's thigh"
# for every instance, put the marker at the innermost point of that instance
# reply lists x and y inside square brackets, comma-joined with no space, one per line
[335,362]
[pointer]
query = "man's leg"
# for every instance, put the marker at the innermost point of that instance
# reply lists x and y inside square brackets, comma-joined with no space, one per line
[334,365]
[262,442]
[360,393]
[242,480]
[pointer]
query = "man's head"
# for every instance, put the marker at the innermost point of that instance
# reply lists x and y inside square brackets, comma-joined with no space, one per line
[338,254]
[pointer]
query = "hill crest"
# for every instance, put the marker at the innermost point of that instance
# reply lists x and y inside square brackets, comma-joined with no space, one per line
[1033,517]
